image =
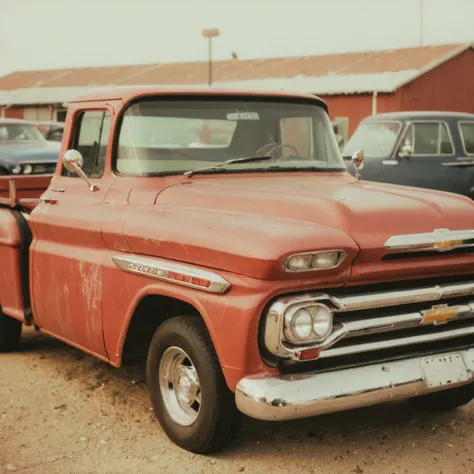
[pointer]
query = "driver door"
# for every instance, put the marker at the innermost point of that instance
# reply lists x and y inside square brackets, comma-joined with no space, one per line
[68,248]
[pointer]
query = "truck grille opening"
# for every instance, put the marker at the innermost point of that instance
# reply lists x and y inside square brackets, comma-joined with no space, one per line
[383,322]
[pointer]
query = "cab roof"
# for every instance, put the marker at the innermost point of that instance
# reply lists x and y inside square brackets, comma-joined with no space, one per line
[128,93]
[419,115]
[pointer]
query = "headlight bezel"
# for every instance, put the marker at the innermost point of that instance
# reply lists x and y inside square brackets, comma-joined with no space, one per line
[276,343]
[312,257]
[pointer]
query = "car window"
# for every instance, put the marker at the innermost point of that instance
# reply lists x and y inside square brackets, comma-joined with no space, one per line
[91,132]
[428,138]
[467,135]
[376,139]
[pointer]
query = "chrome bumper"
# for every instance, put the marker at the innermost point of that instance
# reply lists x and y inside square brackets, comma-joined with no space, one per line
[288,397]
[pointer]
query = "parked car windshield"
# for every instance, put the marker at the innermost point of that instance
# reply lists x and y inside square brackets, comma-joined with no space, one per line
[375,138]
[19,132]
[174,136]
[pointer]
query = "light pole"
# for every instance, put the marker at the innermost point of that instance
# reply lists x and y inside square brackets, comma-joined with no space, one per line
[209,34]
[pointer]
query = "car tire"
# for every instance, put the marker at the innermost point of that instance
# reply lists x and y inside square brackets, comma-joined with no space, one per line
[188,391]
[445,400]
[10,333]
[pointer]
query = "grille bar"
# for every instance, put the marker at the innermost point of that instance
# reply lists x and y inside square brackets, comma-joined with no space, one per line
[397,342]
[394,298]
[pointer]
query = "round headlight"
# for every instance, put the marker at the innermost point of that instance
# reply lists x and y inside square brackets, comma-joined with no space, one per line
[27,169]
[322,321]
[16,170]
[301,324]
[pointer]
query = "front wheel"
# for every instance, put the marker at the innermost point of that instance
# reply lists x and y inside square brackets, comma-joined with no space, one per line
[445,400]
[190,397]
[10,333]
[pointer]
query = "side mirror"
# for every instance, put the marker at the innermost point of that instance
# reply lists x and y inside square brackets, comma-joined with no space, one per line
[358,160]
[406,150]
[73,162]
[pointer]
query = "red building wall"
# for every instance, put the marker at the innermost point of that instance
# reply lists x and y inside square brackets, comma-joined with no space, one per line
[448,87]
[359,106]
[13,112]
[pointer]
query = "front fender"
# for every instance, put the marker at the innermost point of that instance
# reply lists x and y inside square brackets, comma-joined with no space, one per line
[231,319]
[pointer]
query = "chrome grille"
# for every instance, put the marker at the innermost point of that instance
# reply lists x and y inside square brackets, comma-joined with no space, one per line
[377,321]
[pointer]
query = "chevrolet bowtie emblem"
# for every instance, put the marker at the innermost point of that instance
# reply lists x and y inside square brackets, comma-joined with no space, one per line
[439,314]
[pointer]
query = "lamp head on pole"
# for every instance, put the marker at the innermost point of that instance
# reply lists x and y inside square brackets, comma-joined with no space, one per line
[210,33]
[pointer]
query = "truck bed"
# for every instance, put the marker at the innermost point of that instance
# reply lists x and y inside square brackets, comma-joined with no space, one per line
[28,189]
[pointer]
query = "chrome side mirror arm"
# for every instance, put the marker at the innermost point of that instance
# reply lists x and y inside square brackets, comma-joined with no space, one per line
[73,161]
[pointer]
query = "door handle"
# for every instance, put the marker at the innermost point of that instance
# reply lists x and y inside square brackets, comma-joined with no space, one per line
[48,200]
[390,162]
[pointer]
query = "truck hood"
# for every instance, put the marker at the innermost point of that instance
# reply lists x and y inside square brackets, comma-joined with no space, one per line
[250,223]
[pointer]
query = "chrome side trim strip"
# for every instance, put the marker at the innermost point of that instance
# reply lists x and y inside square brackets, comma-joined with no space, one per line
[440,240]
[287,397]
[162,269]
[398,342]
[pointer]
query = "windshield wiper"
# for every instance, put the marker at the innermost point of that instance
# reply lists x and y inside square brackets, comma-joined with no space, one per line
[245,159]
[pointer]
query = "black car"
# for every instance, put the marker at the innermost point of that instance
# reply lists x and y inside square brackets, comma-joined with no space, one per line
[24,150]
[423,149]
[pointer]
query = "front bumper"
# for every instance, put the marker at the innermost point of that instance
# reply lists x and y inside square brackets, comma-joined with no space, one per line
[287,397]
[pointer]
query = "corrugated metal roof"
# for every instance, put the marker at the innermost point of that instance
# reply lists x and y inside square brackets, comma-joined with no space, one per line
[382,71]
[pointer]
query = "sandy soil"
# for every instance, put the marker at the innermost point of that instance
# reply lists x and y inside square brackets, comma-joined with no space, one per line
[65,412]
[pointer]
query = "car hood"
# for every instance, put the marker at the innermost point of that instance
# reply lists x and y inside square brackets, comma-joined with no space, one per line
[264,218]
[12,153]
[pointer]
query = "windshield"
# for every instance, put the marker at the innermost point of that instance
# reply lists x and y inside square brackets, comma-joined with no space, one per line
[19,132]
[172,136]
[377,139]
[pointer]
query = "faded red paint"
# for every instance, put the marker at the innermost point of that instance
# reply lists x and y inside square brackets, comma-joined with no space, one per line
[81,297]
[13,112]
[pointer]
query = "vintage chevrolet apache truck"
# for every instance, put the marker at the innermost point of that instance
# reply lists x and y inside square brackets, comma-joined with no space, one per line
[253,271]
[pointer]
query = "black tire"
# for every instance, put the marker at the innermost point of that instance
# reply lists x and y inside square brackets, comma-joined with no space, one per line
[218,420]
[445,400]
[10,333]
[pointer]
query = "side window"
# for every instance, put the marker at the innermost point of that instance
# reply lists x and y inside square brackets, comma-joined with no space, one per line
[428,138]
[298,133]
[91,132]
[467,135]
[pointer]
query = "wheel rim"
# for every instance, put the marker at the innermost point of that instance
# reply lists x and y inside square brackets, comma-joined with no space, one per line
[179,386]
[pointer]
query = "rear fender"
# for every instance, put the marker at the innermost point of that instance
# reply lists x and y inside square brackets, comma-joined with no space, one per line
[15,239]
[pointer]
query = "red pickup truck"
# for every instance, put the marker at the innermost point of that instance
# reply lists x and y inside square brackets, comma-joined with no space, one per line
[255,274]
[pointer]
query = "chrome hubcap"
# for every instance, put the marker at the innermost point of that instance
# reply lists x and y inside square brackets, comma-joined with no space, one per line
[179,386]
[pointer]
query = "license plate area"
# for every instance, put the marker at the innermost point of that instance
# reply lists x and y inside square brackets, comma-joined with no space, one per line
[442,370]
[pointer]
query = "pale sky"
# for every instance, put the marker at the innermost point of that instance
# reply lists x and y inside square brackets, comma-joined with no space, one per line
[42,34]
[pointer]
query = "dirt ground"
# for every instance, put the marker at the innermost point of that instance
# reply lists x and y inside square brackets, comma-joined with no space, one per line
[65,412]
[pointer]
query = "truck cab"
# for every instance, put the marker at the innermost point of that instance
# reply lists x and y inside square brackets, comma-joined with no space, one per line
[433,150]
[252,272]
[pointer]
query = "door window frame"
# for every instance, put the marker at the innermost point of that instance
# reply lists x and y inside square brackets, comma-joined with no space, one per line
[461,136]
[77,119]
[427,155]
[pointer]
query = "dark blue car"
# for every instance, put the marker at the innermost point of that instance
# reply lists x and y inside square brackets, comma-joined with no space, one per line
[424,149]
[24,150]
